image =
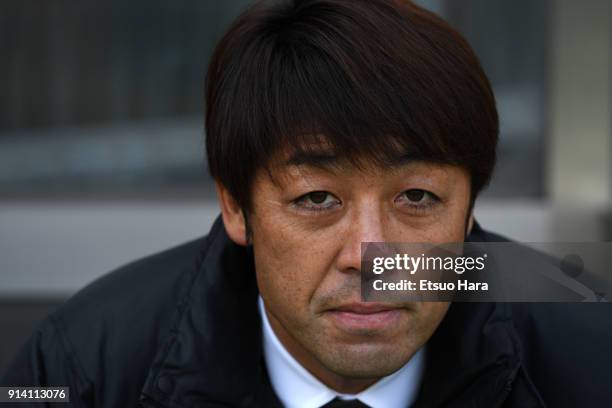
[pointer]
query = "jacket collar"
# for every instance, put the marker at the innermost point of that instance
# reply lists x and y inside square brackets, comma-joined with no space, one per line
[213,355]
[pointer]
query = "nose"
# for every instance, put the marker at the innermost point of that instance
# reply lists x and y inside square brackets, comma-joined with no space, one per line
[366,225]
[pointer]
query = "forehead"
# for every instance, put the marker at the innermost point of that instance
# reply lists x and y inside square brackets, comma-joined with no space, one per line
[319,152]
[323,158]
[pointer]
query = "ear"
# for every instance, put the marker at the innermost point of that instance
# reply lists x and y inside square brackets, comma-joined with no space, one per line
[233,217]
[470,224]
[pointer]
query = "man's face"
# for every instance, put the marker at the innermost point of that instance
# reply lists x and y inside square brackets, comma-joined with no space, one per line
[307,227]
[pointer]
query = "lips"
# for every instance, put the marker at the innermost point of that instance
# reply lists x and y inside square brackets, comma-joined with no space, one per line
[359,317]
[364,308]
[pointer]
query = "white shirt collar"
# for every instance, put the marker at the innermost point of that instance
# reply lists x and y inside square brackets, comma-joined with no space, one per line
[297,388]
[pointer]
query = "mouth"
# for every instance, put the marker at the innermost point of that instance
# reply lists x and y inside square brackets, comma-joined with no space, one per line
[360,317]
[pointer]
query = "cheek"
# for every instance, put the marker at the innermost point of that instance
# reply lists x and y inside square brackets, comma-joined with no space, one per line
[457,218]
[433,312]
[452,227]
[446,226]
[428,318]
[290,263]
[449,225]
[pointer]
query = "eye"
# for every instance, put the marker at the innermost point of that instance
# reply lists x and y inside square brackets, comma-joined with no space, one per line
[317,201]
[417,199]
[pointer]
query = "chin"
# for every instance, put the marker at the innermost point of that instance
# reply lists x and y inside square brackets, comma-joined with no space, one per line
[366,360]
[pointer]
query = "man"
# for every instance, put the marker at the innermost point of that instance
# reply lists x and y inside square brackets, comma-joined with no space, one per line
[329,123]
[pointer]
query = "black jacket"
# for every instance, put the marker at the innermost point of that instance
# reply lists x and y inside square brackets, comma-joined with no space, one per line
[181,329]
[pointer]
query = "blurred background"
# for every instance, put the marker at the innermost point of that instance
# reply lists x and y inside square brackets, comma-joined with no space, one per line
[102,145]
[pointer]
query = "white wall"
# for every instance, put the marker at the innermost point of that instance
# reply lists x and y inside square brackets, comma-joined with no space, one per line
[56,248]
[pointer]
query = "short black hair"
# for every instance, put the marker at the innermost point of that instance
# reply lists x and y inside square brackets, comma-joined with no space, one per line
[374,77]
